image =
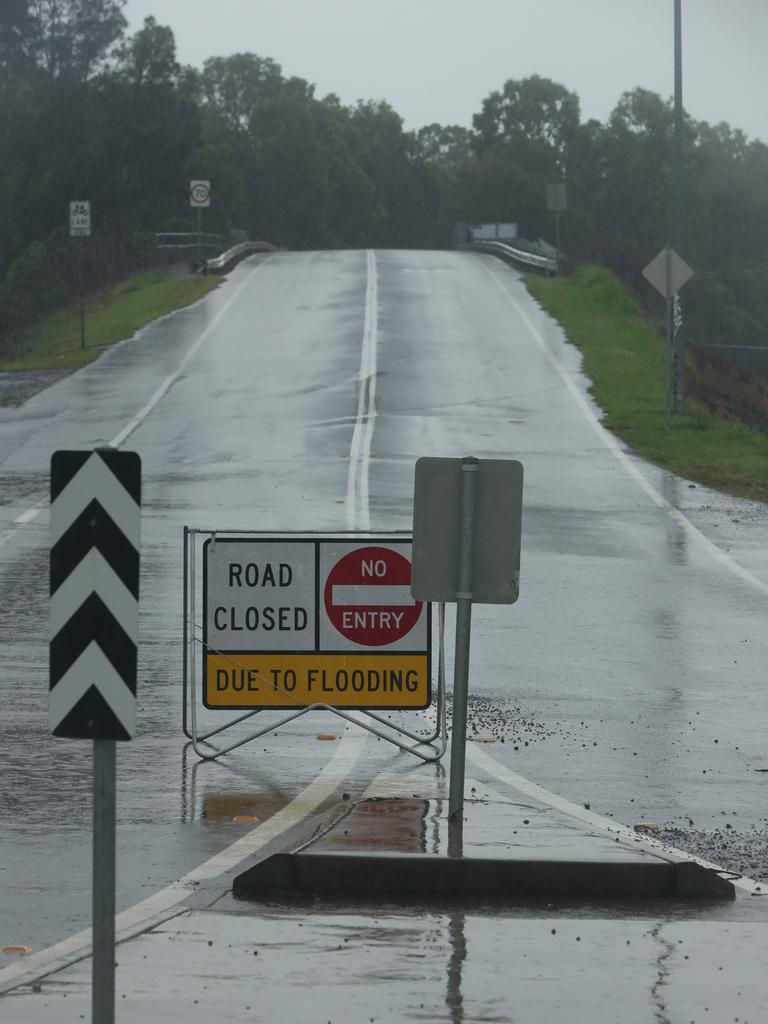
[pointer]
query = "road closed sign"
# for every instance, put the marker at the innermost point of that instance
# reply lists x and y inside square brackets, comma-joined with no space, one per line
[292,622]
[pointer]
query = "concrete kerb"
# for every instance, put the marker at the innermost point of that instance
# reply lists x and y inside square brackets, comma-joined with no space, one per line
[405,850]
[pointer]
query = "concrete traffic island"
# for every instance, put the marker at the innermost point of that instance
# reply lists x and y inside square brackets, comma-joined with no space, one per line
[407,850]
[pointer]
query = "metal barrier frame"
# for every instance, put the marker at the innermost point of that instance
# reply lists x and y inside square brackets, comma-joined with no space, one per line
[434,744]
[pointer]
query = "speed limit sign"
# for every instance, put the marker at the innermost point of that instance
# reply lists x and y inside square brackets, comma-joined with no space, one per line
[200,194]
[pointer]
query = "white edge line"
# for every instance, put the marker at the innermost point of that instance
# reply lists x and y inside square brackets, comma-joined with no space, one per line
[31,513]
[612,444]
[489,764]
[137,917]
[171,379]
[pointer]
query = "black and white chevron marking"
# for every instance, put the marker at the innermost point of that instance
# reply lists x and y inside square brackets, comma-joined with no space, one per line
[95,543]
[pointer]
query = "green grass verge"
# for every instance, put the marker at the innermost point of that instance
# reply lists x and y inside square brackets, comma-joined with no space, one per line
[110,315]
[624,356]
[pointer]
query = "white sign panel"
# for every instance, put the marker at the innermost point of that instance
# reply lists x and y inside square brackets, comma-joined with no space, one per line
[489,232]
[80,217]
[260,595]
[200,194]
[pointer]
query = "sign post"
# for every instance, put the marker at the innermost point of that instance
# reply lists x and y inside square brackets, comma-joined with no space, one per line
[467,522]
[200,199]
[463,631]
[80,226]
[94,584]
[668,272]
[557,200]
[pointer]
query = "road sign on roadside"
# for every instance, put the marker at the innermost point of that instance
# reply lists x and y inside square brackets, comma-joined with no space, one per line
[80,217]
[291,622]
[557,198]
[467,517]
[667,272]
[497,530]
[94,583]
[200,194]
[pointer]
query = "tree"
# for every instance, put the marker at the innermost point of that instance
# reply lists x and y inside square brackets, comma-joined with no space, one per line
[74,37]
[530,116]
[149,57]
[444,143]
[233,86]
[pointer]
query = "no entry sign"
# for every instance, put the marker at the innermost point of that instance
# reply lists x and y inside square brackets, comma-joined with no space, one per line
[291,622]
[368,596]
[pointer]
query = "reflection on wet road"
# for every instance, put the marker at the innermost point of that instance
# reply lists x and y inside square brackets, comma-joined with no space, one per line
[630,675]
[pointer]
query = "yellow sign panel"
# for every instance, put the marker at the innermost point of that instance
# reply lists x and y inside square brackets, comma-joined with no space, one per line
[279,680]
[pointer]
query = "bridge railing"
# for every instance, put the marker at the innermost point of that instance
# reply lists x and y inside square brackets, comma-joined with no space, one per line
[519,257]
[187,240]
[235,253]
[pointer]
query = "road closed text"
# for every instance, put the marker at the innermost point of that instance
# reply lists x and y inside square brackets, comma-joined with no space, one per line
[274,680]
[261,603]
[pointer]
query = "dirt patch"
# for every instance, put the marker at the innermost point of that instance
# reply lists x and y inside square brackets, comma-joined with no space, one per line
[16,386]
[728,394]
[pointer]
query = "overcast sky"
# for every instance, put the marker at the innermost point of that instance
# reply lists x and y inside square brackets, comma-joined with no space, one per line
[435,60]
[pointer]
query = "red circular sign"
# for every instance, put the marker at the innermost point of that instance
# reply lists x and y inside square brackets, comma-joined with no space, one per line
[368,596]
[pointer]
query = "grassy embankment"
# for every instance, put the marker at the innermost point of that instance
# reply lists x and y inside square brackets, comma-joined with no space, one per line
[624,356]
[110,315]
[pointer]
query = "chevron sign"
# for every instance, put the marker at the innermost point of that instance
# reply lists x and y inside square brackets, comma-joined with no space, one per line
[95,523]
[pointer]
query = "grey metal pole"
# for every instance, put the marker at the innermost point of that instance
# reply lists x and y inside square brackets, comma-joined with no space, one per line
[199,234]
[82,297]
[103,960]
[469,468]
[679,218]
[670,339]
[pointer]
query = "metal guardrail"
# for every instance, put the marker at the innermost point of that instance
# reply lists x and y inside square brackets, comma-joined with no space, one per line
[187,240]
[514,255]
[241,249]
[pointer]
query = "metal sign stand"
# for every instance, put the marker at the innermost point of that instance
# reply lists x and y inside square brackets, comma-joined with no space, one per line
[463,631]
[467,525]
[103,960]
[428,748]
[95,526]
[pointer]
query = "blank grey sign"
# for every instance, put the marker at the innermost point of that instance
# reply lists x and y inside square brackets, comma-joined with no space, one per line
[436,521]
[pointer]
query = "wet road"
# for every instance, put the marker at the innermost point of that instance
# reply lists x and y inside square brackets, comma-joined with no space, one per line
[631,674]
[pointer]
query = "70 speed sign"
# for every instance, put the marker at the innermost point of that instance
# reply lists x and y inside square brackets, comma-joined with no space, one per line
[199,194]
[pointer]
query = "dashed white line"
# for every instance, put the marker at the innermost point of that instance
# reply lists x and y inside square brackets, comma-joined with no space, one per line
[357,500]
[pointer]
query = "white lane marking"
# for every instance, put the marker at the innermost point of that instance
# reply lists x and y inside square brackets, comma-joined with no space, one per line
[357,509]
[344,758]
[363,595]
[22,520]
[613,445]
[31,513]
[489,764]
[171,379]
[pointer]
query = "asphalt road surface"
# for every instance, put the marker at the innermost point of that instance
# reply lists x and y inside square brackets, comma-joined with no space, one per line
[630,675]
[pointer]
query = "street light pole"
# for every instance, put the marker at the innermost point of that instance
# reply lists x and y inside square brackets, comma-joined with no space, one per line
[678,216]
